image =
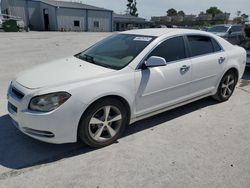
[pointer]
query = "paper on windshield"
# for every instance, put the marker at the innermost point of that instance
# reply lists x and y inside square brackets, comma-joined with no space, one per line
[146,39]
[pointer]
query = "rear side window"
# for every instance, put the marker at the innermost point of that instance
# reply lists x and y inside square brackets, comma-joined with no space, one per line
[171,50]
[216,46]
[201,45]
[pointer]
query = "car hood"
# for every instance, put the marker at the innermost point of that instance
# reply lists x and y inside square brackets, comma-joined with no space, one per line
[58,72]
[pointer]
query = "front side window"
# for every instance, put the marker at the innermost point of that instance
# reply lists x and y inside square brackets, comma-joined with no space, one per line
[116,51]
[171,50]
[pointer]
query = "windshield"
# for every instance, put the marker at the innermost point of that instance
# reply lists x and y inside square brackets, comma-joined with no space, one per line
[116,51]
[218,29]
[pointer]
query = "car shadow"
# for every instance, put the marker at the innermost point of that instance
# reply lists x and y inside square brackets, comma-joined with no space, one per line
[245,81]
[20,151]
[246,75]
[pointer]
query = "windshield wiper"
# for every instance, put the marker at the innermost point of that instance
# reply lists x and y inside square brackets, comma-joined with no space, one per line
[90,59]
[87,57]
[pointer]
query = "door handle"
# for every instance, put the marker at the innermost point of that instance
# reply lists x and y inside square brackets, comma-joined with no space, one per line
[221,60]
[184,69]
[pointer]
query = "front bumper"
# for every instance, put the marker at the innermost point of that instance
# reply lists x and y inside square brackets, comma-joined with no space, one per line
[58,126]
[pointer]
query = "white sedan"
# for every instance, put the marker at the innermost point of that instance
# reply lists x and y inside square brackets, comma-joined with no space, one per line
[127,77]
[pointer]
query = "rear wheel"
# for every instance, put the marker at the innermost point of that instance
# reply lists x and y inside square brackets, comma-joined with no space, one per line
[226,87]
[103,123]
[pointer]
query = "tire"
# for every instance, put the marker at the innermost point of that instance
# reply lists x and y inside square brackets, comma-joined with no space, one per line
[226,87]
[103,123]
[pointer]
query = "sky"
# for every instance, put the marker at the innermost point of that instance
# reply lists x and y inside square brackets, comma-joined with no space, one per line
[148,8]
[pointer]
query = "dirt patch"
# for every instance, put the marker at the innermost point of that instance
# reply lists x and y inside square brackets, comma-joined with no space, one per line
[244,83]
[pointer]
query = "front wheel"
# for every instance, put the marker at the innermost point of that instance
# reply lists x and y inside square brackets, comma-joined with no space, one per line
[103,123]
[226,87]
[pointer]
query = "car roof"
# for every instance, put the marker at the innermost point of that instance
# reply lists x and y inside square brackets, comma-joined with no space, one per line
[157,32]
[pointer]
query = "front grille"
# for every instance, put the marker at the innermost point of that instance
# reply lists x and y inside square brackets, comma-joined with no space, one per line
[38,132]
[17,93]
[12,107]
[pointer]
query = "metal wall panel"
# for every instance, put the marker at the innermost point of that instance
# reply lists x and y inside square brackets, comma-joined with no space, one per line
[67,16]
[35,18]
[4,5]
[103,17]
[17,8]
[52,16]
[32,13]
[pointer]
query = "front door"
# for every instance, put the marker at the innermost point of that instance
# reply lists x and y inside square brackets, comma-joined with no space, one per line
[164,86]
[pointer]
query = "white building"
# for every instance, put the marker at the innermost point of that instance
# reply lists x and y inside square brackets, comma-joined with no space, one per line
[126,22]
[50,15]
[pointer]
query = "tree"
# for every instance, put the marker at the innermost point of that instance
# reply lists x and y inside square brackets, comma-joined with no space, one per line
[131,8]
[245,17]
[171,12]
[238,13]
[213,11]
[241,18]
[237,20]
[181,13]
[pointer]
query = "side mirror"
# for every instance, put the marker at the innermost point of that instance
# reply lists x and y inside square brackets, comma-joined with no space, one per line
[155,61]
[230,32]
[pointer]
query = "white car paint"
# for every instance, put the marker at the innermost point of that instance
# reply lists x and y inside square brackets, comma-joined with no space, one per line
[147,92]
[67,70]
[162,87]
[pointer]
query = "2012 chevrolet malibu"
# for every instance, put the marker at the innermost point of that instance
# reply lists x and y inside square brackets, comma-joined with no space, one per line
[126,77]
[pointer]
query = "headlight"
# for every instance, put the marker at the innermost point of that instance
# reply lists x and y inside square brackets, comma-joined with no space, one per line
[48,102]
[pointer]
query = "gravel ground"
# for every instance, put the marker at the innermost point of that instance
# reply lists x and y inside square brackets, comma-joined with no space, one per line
[203,144]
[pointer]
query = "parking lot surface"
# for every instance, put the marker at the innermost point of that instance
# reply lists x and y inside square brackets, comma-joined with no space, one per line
[202,144]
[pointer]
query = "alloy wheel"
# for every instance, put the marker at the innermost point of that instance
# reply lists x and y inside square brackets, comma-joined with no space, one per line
[105,123]
[227,86]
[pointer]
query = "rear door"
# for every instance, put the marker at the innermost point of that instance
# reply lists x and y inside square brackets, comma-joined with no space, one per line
[208,59]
